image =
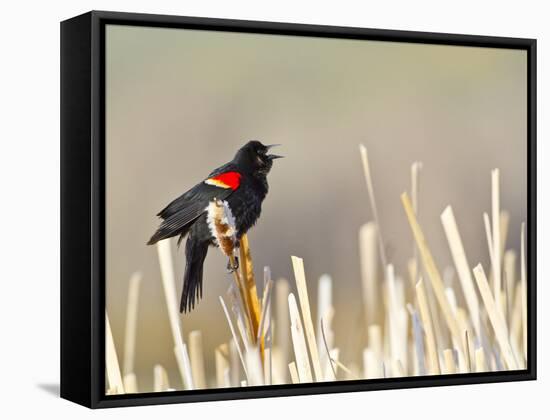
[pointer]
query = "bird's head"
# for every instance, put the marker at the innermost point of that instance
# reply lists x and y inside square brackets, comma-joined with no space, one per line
[255,157]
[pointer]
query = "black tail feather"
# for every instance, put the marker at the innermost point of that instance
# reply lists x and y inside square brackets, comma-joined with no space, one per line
[195,253]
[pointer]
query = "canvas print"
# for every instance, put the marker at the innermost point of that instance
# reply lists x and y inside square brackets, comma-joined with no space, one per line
[292,209]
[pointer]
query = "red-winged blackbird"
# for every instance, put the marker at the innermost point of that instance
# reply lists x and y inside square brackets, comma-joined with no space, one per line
[242,183]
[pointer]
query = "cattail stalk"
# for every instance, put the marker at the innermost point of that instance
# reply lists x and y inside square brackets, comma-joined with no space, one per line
[299,341]
[131,324]
[461,265]
[114,377]
[495,315]
[299,273]
[431,269]
[167,275]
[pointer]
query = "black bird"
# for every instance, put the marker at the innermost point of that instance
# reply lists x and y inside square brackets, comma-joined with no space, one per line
[242,183]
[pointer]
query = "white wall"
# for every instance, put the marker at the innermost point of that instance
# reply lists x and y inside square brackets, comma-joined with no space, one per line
[29,177]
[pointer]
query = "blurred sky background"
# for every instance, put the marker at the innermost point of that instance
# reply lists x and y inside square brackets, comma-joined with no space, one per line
[181,102]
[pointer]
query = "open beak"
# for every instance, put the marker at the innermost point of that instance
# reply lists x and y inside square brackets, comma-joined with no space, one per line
[272,157]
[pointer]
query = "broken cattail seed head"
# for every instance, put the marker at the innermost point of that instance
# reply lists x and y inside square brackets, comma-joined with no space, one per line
[222,225]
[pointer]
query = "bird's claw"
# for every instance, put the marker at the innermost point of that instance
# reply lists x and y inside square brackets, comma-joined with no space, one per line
[232,267]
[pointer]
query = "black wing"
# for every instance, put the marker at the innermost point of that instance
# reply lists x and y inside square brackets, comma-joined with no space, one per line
[180,213]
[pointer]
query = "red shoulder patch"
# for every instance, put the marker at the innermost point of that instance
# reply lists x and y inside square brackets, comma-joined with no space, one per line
[226,180]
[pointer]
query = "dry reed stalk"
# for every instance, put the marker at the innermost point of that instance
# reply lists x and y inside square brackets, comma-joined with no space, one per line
[279,370]
[242,300]
[504,223]
[370,189]
[451,298]
[252,354]
[462,266]
[234,363]
[518,355]
[328,366]
[432,270]
[351,374]
[265,327]
[325,311]
[293,373]
[412,272]
[160,379]
[301,285]
[182,358]
[415,173]
[397,321]
[131,324]
[264,316]
[481,364]
[418,341]
[495,316]
[373,361]
[457,342]
[503,306]
[299,341]
[249,284]
[334,358]
[374,340]
[130,383]
[282,325]
[371,365]
[516,328]
[221,357]
[327,335]
[468,346]
[509,270]
[244,332]
[268,373]
[431,346]
[254,367]
[488,232]
[386,339]
[267,277]
[324,307]
[516,317]
[450,366]
[523,279]
[466,326]
[495,207]
[442,334]
[167,275]
[197,359]
[114,377]
[268,350]
[234,334]
[414,367]
[238,309]
[369,272]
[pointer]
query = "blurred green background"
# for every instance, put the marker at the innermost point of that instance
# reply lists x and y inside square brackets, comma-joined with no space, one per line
[181,102]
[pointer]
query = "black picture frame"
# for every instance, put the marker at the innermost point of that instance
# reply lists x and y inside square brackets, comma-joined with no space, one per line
[83,207]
